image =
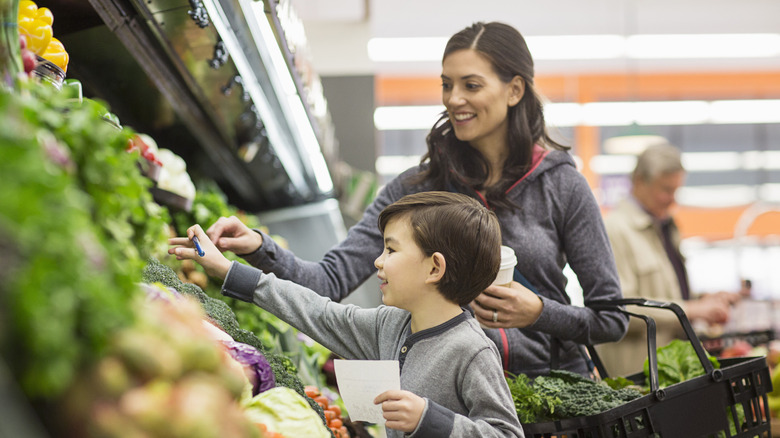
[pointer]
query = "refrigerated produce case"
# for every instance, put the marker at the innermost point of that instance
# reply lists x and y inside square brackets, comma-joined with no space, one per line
[164,69]
[216,82]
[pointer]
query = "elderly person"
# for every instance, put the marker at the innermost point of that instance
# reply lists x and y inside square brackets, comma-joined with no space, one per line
[646,244]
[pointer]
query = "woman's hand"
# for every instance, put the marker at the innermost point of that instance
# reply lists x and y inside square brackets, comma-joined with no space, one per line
[402,410]
[212,260]
[515,306]
[230,234]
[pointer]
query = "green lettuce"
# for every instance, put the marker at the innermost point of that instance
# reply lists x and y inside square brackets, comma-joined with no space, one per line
[677,362]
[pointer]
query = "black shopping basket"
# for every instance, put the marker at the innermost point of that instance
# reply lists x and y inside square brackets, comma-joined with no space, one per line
[730,402]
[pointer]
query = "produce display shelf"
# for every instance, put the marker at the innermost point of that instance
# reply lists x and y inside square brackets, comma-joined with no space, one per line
[172,200]
[729,402]
[715,345]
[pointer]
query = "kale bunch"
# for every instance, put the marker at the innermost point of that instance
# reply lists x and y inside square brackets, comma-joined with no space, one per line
[579,395]
[563,394]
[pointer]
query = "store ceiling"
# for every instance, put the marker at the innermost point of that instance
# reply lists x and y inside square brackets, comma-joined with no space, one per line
[338,30]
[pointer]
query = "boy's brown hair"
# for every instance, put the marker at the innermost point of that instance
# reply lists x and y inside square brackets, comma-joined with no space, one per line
[462,230]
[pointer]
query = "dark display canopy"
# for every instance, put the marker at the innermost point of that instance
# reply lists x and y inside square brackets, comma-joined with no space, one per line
[212,80]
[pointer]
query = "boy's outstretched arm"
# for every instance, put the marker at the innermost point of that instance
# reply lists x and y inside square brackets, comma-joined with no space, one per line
[211,259]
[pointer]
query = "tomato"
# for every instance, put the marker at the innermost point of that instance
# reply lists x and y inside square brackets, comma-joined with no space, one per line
[335,408]
[329,415]
[336,422]
[322,400]
[311,391]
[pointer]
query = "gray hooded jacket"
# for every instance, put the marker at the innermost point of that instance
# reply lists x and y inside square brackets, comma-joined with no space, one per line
[558,222]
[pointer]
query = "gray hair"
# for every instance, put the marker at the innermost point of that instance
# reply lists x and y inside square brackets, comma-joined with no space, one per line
[657,160]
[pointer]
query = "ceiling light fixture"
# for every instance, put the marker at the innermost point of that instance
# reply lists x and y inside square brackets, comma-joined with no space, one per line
[658,113]
[398,118]
[568,47]
[289,100]
[753,45]
[694,162]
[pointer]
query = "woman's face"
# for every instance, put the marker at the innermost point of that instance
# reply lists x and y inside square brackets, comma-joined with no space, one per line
[476,99]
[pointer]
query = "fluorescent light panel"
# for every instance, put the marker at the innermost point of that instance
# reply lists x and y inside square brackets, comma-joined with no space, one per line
[613,164]
[758,45]
[683,112]
[576,47]
[395,164]
[292,104]
[623,164]
[691,112]
[717,196]
[563,47]
[397,118]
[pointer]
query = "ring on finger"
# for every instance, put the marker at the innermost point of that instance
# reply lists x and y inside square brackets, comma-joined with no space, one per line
[495,316]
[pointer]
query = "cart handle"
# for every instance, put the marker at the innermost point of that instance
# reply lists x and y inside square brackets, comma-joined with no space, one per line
[709,369]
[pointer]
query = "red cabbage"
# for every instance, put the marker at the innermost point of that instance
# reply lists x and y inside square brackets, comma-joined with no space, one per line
[262,376]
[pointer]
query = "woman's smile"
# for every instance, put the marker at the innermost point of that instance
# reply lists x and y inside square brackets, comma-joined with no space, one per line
[460,118]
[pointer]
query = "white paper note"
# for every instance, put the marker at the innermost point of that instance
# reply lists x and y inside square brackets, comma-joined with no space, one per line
[360,381]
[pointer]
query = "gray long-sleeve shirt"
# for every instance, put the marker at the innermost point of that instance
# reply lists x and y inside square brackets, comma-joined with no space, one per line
[453,366]
[558,222]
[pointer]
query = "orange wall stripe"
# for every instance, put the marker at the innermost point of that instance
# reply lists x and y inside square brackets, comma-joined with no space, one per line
[720,223]
[390,91]
[426,90]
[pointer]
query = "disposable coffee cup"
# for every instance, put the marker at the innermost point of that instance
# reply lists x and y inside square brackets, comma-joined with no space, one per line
[507,269]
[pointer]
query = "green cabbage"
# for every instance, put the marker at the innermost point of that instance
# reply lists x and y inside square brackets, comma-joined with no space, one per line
[286,412]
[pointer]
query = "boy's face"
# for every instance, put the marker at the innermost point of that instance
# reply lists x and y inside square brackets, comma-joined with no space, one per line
[403,268]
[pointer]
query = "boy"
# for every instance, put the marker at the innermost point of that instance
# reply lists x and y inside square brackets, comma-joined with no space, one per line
[441,251]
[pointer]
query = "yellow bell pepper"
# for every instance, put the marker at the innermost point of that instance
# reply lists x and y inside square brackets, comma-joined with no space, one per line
[56,53]
[35,24]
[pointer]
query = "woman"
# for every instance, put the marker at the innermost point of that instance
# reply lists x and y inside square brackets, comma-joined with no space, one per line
[490,143]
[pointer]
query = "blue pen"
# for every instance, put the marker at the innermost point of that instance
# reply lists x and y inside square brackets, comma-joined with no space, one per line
[197,246]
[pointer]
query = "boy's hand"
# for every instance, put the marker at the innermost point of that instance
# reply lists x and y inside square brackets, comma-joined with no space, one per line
[212,261]
[402,410]
[230,234]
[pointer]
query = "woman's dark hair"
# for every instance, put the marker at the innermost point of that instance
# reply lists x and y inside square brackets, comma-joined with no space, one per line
[462,230]
[451,158]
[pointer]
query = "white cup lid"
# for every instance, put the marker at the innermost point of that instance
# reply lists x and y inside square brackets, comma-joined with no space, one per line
[508,257]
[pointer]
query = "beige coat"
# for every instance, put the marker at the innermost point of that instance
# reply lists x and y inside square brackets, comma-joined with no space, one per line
[645,271]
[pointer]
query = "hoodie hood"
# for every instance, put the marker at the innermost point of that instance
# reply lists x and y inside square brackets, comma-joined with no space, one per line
[543,161]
